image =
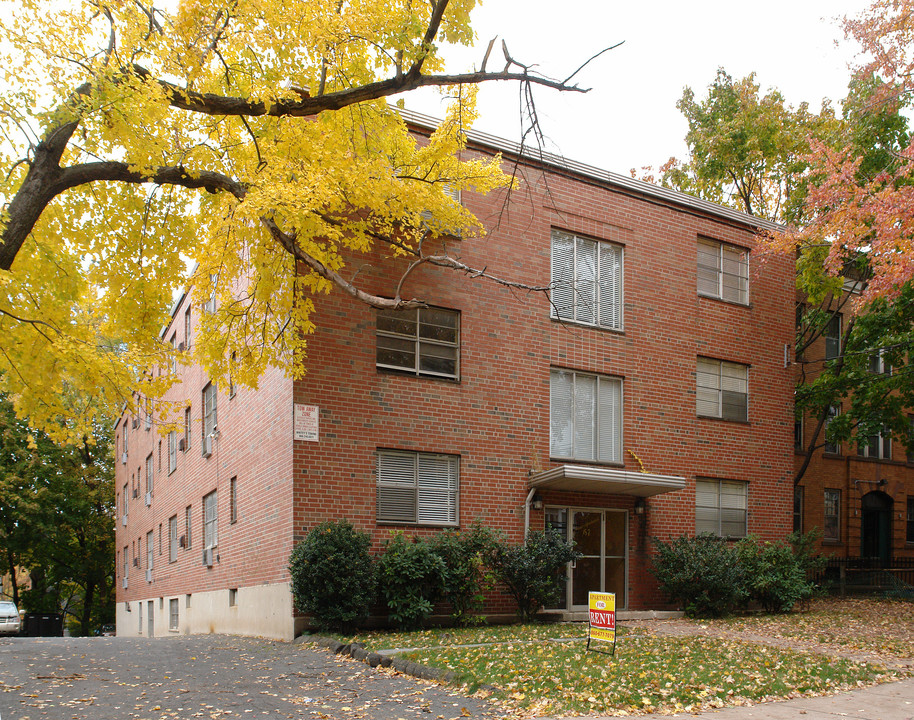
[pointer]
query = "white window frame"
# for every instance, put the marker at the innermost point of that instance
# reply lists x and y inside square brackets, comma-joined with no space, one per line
[718,384]
[150,549]
[832,335]
[187,328]
[173,614]
[188,513]
[211,520]
[723,271]
[173,538]
[186,429]
[587,281]
[720,505]
[172,451]
[417,488]
[831,448]
[210,411]
[150,474]
[882,443]
[878,364]
[391,336]
[585,416]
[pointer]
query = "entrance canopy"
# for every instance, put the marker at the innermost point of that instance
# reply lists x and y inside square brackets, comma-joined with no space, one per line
[604,480]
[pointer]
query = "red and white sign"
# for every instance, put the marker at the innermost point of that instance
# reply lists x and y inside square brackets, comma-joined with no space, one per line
[306,422]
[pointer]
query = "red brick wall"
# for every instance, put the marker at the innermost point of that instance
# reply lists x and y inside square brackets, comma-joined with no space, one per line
[496,418]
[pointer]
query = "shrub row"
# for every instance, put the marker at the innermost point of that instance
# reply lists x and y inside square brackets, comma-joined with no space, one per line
[712,577]
[336,579]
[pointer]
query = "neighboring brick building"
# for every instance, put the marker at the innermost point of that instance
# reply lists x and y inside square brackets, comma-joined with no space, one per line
[860,495]
[653,401]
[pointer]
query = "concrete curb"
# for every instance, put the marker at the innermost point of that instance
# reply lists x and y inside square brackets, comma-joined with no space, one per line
[358,652]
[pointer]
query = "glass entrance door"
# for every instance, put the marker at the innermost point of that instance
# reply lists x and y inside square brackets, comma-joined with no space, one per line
[600,537]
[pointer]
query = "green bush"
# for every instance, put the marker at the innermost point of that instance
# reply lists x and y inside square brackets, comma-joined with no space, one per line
[411,576]
[774,576]
[466,575]
[535,571]
[333,575]
[703,573]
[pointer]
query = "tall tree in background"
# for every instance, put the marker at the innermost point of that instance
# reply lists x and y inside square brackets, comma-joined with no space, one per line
[746,150]
[57,522]
[254,138]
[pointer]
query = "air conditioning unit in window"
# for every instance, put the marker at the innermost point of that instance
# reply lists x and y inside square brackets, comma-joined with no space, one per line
[136,562]
[124,458]
[124,519]
[149,575]
[182,446]
[136,493]
[135,424]
[148,499]
[207,446]
[208,557]
[182,541]
[180,347]
[124,583]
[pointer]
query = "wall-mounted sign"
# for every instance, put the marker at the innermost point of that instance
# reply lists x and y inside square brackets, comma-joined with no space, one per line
[306,422]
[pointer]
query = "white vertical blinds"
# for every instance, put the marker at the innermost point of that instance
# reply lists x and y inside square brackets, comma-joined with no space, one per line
[585,416]
[586,280]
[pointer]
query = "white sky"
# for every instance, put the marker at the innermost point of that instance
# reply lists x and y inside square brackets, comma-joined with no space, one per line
[629,118]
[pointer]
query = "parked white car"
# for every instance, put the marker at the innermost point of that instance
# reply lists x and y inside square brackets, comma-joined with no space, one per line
[9,618]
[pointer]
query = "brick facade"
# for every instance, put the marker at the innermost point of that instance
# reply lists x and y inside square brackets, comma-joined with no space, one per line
[495,416]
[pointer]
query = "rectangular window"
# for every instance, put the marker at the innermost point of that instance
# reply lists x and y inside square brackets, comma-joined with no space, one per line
[125,500]
[173,538]
[186,429]
[233,500]
[798,509]
[209,414]
[150,549]
[148,414]
[172,452]
[876,446]
[423,341]
[187,516]
[832,530]
[149,474]
[210,521]
[832,335]
[831,446]
[721,507]
[127,559]
[585,416]
[909,525]
[187,329]
[586,281]
[173,614]
[722,389]
[878,363]
[419,488]
[723,271]
[173,364]
[798,435]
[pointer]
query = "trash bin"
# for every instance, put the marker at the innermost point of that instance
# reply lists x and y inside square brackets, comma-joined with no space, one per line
[42,625]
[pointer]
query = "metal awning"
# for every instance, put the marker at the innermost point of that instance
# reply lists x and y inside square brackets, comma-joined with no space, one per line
[604,480]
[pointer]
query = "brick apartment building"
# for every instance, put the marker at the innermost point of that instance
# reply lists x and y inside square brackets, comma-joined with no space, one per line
[650,398]
[859,493]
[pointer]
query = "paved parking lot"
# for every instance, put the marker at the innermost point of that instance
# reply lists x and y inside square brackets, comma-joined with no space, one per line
[208,676]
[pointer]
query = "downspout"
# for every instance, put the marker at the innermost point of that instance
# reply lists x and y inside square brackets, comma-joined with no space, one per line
[527,512]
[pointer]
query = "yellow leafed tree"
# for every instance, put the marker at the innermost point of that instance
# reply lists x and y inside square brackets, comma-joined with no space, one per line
[242,138]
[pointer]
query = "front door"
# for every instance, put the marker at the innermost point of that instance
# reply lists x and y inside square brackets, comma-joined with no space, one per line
[876,527]
[600,536]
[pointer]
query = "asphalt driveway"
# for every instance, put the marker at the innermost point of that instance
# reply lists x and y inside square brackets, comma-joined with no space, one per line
[208,676]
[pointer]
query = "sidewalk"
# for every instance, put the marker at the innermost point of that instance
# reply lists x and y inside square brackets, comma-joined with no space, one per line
[889,701]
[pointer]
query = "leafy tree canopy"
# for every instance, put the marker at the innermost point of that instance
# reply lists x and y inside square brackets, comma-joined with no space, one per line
[253,139]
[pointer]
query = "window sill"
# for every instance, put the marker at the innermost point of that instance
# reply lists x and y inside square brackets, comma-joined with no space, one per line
[591,326]
[735,303]
[832,455]
[403,523]
[832,543]
[600,463]
[413,374]
[722,419]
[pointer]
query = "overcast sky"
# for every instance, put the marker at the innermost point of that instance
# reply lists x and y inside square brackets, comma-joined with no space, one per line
[629,118]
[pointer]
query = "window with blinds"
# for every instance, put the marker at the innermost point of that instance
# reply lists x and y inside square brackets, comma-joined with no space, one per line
[417,488]
[721,507]
[586,281]
[585,416]
[722,389]
[723,271]
[210,520]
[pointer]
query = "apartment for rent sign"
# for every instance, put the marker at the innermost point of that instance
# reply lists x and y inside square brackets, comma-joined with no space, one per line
[602,618]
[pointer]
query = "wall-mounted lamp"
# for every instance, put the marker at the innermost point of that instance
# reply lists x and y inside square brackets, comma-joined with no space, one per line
[537,502]
[639,506]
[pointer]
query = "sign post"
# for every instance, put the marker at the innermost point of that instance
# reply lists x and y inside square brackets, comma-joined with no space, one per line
[602,624]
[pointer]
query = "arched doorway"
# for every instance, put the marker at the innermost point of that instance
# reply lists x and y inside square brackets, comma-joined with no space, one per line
[876,526]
